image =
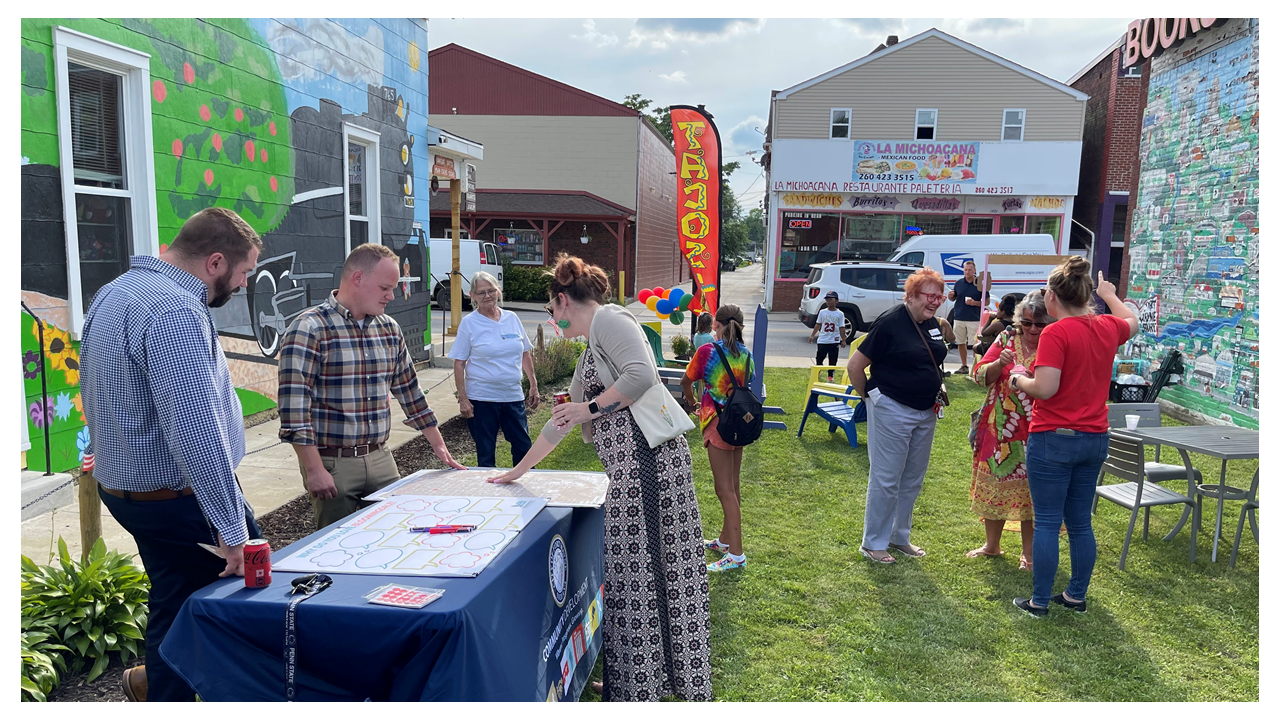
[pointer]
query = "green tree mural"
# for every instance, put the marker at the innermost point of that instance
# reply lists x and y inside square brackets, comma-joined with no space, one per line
[220,122]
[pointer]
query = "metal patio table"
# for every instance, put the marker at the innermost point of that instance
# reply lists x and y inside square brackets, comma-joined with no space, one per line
[1219,441]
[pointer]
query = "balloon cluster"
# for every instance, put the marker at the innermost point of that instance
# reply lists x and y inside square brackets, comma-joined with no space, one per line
[667,303]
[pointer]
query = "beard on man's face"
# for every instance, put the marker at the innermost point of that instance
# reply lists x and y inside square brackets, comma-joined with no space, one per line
[222,290]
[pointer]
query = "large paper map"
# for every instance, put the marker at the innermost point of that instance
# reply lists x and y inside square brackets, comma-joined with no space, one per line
[561,488]
[378,540]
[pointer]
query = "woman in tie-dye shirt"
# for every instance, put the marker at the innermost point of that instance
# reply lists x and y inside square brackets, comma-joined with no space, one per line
[726,460]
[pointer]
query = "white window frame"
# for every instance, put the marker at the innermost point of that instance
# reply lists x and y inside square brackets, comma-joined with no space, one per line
[831,126]
[134,68]
[916,134]
[372,140]
[1004,114]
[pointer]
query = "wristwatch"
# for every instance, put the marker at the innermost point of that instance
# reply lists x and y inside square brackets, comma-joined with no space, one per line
[593,407]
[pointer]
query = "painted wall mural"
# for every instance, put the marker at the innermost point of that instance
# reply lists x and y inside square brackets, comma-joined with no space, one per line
[1195,242]
[245,114]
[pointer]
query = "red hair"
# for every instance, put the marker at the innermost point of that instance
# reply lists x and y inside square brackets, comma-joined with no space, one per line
[923,276]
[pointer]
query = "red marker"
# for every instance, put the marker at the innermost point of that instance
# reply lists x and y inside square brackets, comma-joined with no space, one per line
[438,529]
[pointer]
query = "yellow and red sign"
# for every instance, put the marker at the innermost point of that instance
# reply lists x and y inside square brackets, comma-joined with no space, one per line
[698,201]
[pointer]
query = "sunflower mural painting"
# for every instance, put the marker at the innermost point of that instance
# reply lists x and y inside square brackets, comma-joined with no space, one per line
[61,417]
[248,114]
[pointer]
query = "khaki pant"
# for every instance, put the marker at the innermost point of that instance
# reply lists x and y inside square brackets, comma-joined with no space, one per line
[354,478]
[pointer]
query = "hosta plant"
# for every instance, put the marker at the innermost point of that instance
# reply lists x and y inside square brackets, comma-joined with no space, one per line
[95,609]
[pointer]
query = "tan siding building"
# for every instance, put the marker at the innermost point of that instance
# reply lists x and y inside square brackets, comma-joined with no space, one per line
[930,136]
[968,91]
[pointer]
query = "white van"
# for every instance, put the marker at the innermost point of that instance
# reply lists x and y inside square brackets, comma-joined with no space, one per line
[473,256]
[947,253]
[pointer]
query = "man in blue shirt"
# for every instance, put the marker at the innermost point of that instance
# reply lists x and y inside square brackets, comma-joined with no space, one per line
[968,311]
[167,427]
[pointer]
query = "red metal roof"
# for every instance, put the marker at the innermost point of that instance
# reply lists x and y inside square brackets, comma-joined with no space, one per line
[476,84]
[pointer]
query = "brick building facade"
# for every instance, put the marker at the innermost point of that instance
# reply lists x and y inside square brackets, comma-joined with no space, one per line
[1109,156]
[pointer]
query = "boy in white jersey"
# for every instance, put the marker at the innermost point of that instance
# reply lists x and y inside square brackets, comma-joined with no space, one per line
[830,333]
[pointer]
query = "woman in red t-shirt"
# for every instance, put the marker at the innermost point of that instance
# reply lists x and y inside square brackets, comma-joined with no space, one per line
[1068,435]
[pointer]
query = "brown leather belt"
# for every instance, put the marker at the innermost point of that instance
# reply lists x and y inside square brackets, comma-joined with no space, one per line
[357,451]
[149,496]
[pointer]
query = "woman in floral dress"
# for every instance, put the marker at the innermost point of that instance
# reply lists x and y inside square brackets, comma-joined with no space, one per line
[657,617]
[999,490]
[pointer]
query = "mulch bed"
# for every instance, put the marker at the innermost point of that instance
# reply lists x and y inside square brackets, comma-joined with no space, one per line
[281,527]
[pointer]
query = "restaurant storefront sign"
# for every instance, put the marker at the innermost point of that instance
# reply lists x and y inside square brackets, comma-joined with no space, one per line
[933,162]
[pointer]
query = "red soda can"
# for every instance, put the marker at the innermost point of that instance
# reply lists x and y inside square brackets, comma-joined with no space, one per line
[257,564]
[559,398]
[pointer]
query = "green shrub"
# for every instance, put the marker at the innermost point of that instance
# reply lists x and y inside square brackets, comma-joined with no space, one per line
[42,661]
[524,283]
[94,608]
[555,362]
[681,345]
[530,283]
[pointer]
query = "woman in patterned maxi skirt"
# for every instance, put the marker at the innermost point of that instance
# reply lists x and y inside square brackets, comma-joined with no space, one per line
[657,609]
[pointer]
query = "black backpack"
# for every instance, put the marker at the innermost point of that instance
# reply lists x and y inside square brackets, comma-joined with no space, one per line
[742,417]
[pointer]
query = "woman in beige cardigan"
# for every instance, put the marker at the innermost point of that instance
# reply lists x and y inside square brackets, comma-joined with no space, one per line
[657,619]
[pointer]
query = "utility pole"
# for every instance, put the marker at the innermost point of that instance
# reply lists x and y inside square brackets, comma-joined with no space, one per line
[455,277]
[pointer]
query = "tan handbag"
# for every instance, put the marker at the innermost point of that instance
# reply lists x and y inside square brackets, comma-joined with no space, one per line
[657,413]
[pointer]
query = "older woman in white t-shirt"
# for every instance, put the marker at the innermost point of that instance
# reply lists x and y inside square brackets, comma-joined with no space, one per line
[488,356]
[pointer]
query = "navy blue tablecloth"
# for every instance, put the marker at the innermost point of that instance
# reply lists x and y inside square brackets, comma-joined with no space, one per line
[516,632]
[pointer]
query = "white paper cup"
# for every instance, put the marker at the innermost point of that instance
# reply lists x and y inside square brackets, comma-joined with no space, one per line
[1131,421]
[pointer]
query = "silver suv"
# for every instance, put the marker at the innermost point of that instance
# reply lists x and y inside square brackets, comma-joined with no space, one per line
[866,288]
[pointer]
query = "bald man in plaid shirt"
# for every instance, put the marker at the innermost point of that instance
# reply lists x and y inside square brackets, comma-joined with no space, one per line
[338,361]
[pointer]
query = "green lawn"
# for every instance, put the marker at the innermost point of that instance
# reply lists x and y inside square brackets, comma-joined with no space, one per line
[811,619]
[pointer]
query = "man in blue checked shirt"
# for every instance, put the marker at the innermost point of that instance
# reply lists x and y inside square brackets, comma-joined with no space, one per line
[167,427]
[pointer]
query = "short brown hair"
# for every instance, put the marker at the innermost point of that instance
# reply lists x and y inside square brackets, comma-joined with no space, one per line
[365,257]
[216,230]
[577,279]
[1070,281]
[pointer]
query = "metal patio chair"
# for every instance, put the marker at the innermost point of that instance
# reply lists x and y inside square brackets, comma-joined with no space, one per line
[1148,416]
[1125,460]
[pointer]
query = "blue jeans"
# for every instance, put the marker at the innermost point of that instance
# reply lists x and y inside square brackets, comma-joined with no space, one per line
[166,533]
[1062,472]
[484,425]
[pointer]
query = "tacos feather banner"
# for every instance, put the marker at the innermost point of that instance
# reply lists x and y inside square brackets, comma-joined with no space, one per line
[698,200]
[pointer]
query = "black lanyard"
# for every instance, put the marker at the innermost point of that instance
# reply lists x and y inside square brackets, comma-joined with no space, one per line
[307,585]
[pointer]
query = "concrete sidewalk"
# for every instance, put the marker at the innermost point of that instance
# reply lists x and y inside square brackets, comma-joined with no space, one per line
[268,475]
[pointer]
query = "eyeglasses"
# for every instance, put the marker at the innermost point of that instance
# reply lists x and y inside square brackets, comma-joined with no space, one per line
[550,312]
[485,293]
[931,297]
[1027,323]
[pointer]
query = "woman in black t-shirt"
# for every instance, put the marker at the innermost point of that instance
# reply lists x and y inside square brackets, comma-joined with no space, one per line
[905,350]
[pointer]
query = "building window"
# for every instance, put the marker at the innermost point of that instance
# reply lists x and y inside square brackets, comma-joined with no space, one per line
[1014,122]
[360,166]
[870,237]
[1012,224]
[1045,225]
[522,246]
[105,148]
[1120,224]
[916,225]
[926,124]
[807,238]
[840,121]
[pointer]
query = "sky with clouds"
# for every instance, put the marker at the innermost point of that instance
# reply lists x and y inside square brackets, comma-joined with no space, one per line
[730,65]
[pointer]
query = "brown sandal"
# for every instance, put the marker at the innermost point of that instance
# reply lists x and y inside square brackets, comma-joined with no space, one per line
[906,550]
[886,560]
